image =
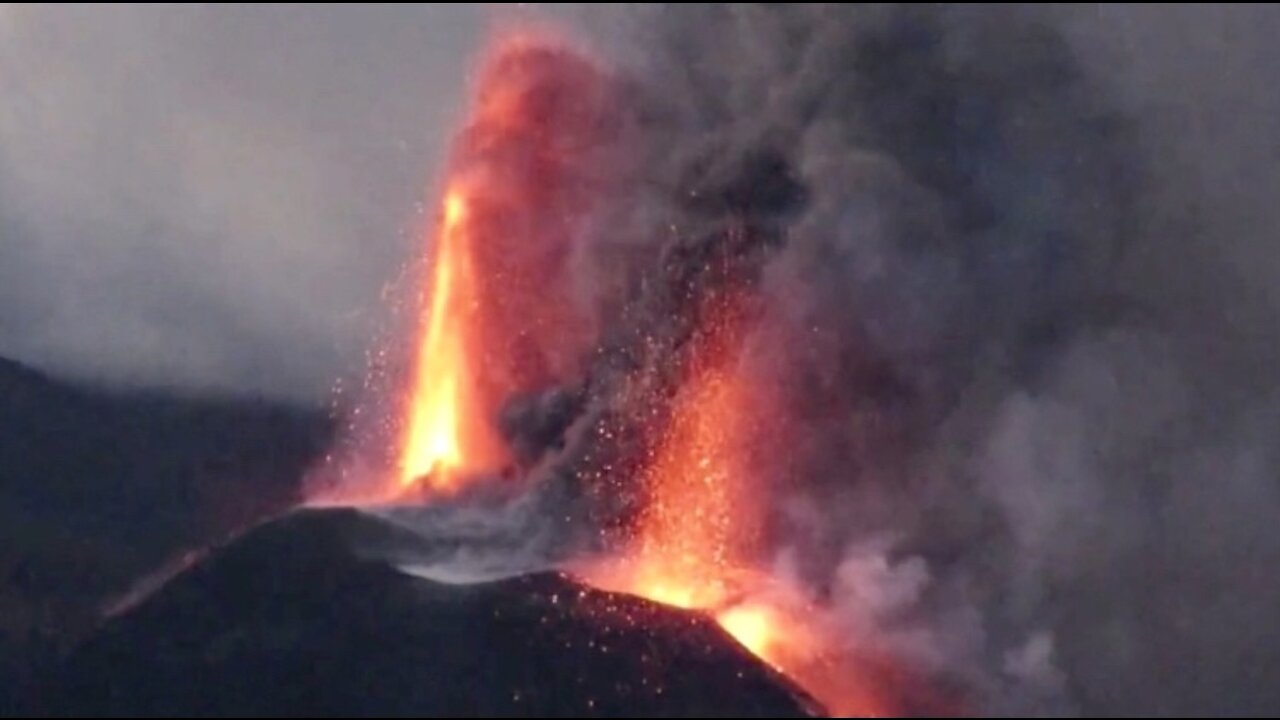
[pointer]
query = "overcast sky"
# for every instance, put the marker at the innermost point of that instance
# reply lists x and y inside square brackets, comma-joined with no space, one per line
[214,197]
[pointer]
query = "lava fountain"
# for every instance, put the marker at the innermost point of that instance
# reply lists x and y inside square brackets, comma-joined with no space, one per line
[696,524]
[499,319]
[696,542]
[437,444]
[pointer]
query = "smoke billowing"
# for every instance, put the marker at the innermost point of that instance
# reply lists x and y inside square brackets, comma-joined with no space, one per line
[1014,361]
[1025,405]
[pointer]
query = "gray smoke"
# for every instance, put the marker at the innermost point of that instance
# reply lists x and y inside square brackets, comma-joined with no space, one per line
[214,197]
[1025,359]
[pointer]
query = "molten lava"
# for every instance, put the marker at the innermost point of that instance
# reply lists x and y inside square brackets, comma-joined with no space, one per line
[500,319]
[444,437]
[695,541]
[694,528]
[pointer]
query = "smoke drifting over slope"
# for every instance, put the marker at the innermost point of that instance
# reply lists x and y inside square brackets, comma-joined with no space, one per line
[1015,443]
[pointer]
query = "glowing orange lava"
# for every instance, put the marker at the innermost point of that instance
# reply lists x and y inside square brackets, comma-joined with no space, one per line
[445,433]
[694,528]
[755,625]
[500,319]
[695,525]
[693,544]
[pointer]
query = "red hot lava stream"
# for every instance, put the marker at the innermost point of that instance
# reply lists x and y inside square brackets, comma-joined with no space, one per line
[499,319]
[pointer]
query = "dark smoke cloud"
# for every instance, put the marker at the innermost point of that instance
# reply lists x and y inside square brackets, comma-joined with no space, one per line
[1022,337]
[214,197]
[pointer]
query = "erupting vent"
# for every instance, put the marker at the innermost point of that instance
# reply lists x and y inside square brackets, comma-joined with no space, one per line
[500,320]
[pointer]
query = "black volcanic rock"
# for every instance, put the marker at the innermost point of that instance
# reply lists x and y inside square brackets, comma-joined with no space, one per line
[289,620]
[100,487]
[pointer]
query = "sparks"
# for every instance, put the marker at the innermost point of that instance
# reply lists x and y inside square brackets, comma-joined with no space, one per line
[693,546]
[449,434]
[432,447]
[499,320]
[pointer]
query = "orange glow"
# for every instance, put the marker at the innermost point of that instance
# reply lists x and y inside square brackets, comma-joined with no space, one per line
[499,318]
[689,537]
[693,544]
[754,625]
[445,434]
[781,628]
[802,643]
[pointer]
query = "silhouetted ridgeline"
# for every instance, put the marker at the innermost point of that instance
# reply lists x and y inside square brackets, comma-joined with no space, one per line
[98,489]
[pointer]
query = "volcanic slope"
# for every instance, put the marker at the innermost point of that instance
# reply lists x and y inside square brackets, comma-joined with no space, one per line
[290,620]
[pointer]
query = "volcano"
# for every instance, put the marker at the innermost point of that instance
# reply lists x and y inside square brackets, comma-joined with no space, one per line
[310,615]
[630,414]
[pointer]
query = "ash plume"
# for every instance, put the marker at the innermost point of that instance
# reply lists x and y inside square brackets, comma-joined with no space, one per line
[1001,450]
[700,287]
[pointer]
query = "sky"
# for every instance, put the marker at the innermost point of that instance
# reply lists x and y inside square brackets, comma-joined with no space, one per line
[214,198]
